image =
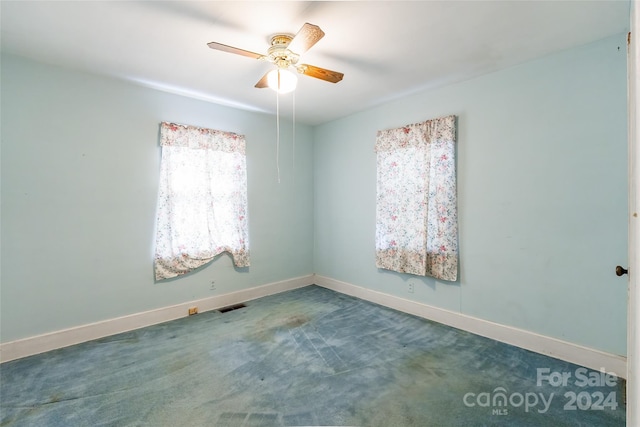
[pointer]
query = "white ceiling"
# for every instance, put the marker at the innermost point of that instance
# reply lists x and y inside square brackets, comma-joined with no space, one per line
[385,49]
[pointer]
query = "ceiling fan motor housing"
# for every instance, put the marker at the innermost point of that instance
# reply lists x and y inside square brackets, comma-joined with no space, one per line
[278,52]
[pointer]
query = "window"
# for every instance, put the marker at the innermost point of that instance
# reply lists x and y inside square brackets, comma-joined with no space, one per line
[416,212]
[202,200]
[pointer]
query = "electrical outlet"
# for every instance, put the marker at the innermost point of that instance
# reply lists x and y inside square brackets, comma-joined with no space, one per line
[410,287]
[193,310]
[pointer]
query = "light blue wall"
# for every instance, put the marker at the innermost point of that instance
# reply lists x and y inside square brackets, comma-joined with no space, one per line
[80,162]
[542,187]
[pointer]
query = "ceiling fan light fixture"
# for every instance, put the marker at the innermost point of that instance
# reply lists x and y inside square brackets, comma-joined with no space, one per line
[282,80]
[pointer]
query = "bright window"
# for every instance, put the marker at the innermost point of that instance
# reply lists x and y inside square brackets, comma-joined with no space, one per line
[202,201]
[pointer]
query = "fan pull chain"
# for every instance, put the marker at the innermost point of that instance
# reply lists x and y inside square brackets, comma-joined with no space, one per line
[294,130]
[278,130]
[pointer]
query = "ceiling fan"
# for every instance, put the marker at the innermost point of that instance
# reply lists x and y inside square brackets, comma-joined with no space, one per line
[284,53]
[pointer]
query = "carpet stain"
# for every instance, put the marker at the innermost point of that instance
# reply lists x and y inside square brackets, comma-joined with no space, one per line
[56,397]
[267,327]
[295,321]
[423,391]
[425,363]
[177,366]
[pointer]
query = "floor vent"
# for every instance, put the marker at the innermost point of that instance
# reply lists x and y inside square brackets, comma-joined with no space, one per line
[231,308]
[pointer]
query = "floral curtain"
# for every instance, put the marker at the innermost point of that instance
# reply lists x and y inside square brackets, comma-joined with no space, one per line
[202,201]
[416,212]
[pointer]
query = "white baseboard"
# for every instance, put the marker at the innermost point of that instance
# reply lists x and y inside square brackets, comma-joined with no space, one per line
[50,341]
[548,346]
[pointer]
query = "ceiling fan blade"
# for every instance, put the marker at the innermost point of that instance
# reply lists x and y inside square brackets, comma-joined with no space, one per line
[231,49]
[262,83]
[321,73]
[308,35]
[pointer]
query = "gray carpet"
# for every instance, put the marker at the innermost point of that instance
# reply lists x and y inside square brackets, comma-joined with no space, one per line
[301,358]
